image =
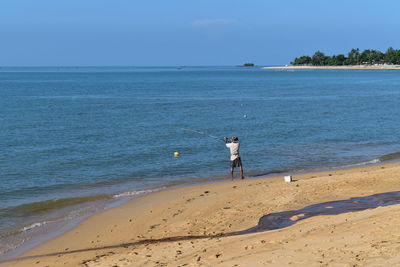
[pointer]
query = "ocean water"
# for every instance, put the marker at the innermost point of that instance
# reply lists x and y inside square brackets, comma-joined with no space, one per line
[74,140]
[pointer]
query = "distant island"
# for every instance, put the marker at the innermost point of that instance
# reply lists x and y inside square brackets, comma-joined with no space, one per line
[247,65]
[354,57]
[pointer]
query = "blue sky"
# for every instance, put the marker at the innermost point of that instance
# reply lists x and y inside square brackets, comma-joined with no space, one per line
[189,32]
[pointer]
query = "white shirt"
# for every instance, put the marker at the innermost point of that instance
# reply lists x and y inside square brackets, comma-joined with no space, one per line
[234,147]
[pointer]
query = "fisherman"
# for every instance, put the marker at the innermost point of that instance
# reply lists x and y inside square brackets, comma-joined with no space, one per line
[234,145]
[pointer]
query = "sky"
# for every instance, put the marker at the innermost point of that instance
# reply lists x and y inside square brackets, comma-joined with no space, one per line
[189,32]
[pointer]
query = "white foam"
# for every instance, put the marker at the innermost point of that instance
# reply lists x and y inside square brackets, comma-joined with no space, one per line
[38,224]
[137,192]
[34,225]
[374,161]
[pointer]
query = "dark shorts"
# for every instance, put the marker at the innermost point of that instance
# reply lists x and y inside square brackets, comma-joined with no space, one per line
[236,163]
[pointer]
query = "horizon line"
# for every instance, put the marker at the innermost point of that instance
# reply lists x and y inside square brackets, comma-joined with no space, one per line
[128,66]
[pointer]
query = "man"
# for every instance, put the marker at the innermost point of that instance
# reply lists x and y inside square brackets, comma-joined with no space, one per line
[234,145]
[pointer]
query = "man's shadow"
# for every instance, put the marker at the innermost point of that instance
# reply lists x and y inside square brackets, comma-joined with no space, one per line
[267,222]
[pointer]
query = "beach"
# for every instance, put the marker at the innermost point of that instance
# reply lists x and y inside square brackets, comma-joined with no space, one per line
[254,222]
[355,67]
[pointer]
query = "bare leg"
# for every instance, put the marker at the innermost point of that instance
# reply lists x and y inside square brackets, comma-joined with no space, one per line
[241,171]
[232,173]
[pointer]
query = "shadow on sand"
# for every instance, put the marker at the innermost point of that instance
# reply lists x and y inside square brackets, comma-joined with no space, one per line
[267,222]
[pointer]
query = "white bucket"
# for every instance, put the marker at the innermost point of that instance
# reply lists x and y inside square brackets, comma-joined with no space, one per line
[288,178]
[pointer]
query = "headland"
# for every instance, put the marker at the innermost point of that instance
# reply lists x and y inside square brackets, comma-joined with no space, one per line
[353,67]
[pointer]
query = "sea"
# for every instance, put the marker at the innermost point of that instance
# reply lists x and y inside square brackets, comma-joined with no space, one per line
[75,141]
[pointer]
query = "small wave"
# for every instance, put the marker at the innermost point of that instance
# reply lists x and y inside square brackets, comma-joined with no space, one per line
[49,205]
[137,192]
[34,225]
[374,161]
[59,203]
[30,227]
[39,224]
[391,156]
[14,239]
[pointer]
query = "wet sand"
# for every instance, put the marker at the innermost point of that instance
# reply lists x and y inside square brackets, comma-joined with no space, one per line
[356,67]
[254,222]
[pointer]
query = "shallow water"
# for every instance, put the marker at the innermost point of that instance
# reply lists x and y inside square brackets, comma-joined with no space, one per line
[284,219]
[70,134]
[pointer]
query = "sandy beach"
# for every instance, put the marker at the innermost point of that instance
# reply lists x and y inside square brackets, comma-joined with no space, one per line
[254,222]
[357,67]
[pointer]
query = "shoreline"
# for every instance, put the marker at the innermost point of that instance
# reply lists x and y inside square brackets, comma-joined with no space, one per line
[203,210]
[64,225]
[356,67]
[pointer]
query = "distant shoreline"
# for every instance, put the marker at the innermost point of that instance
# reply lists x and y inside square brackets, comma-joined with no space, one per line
[353,67]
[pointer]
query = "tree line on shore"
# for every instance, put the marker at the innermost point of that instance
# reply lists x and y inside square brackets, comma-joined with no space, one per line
[354,57]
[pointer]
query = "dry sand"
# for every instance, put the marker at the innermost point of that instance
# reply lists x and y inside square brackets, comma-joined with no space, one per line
[201,226]
[357,67]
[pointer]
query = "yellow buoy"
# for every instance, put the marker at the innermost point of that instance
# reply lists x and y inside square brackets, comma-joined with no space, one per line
[176,154]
